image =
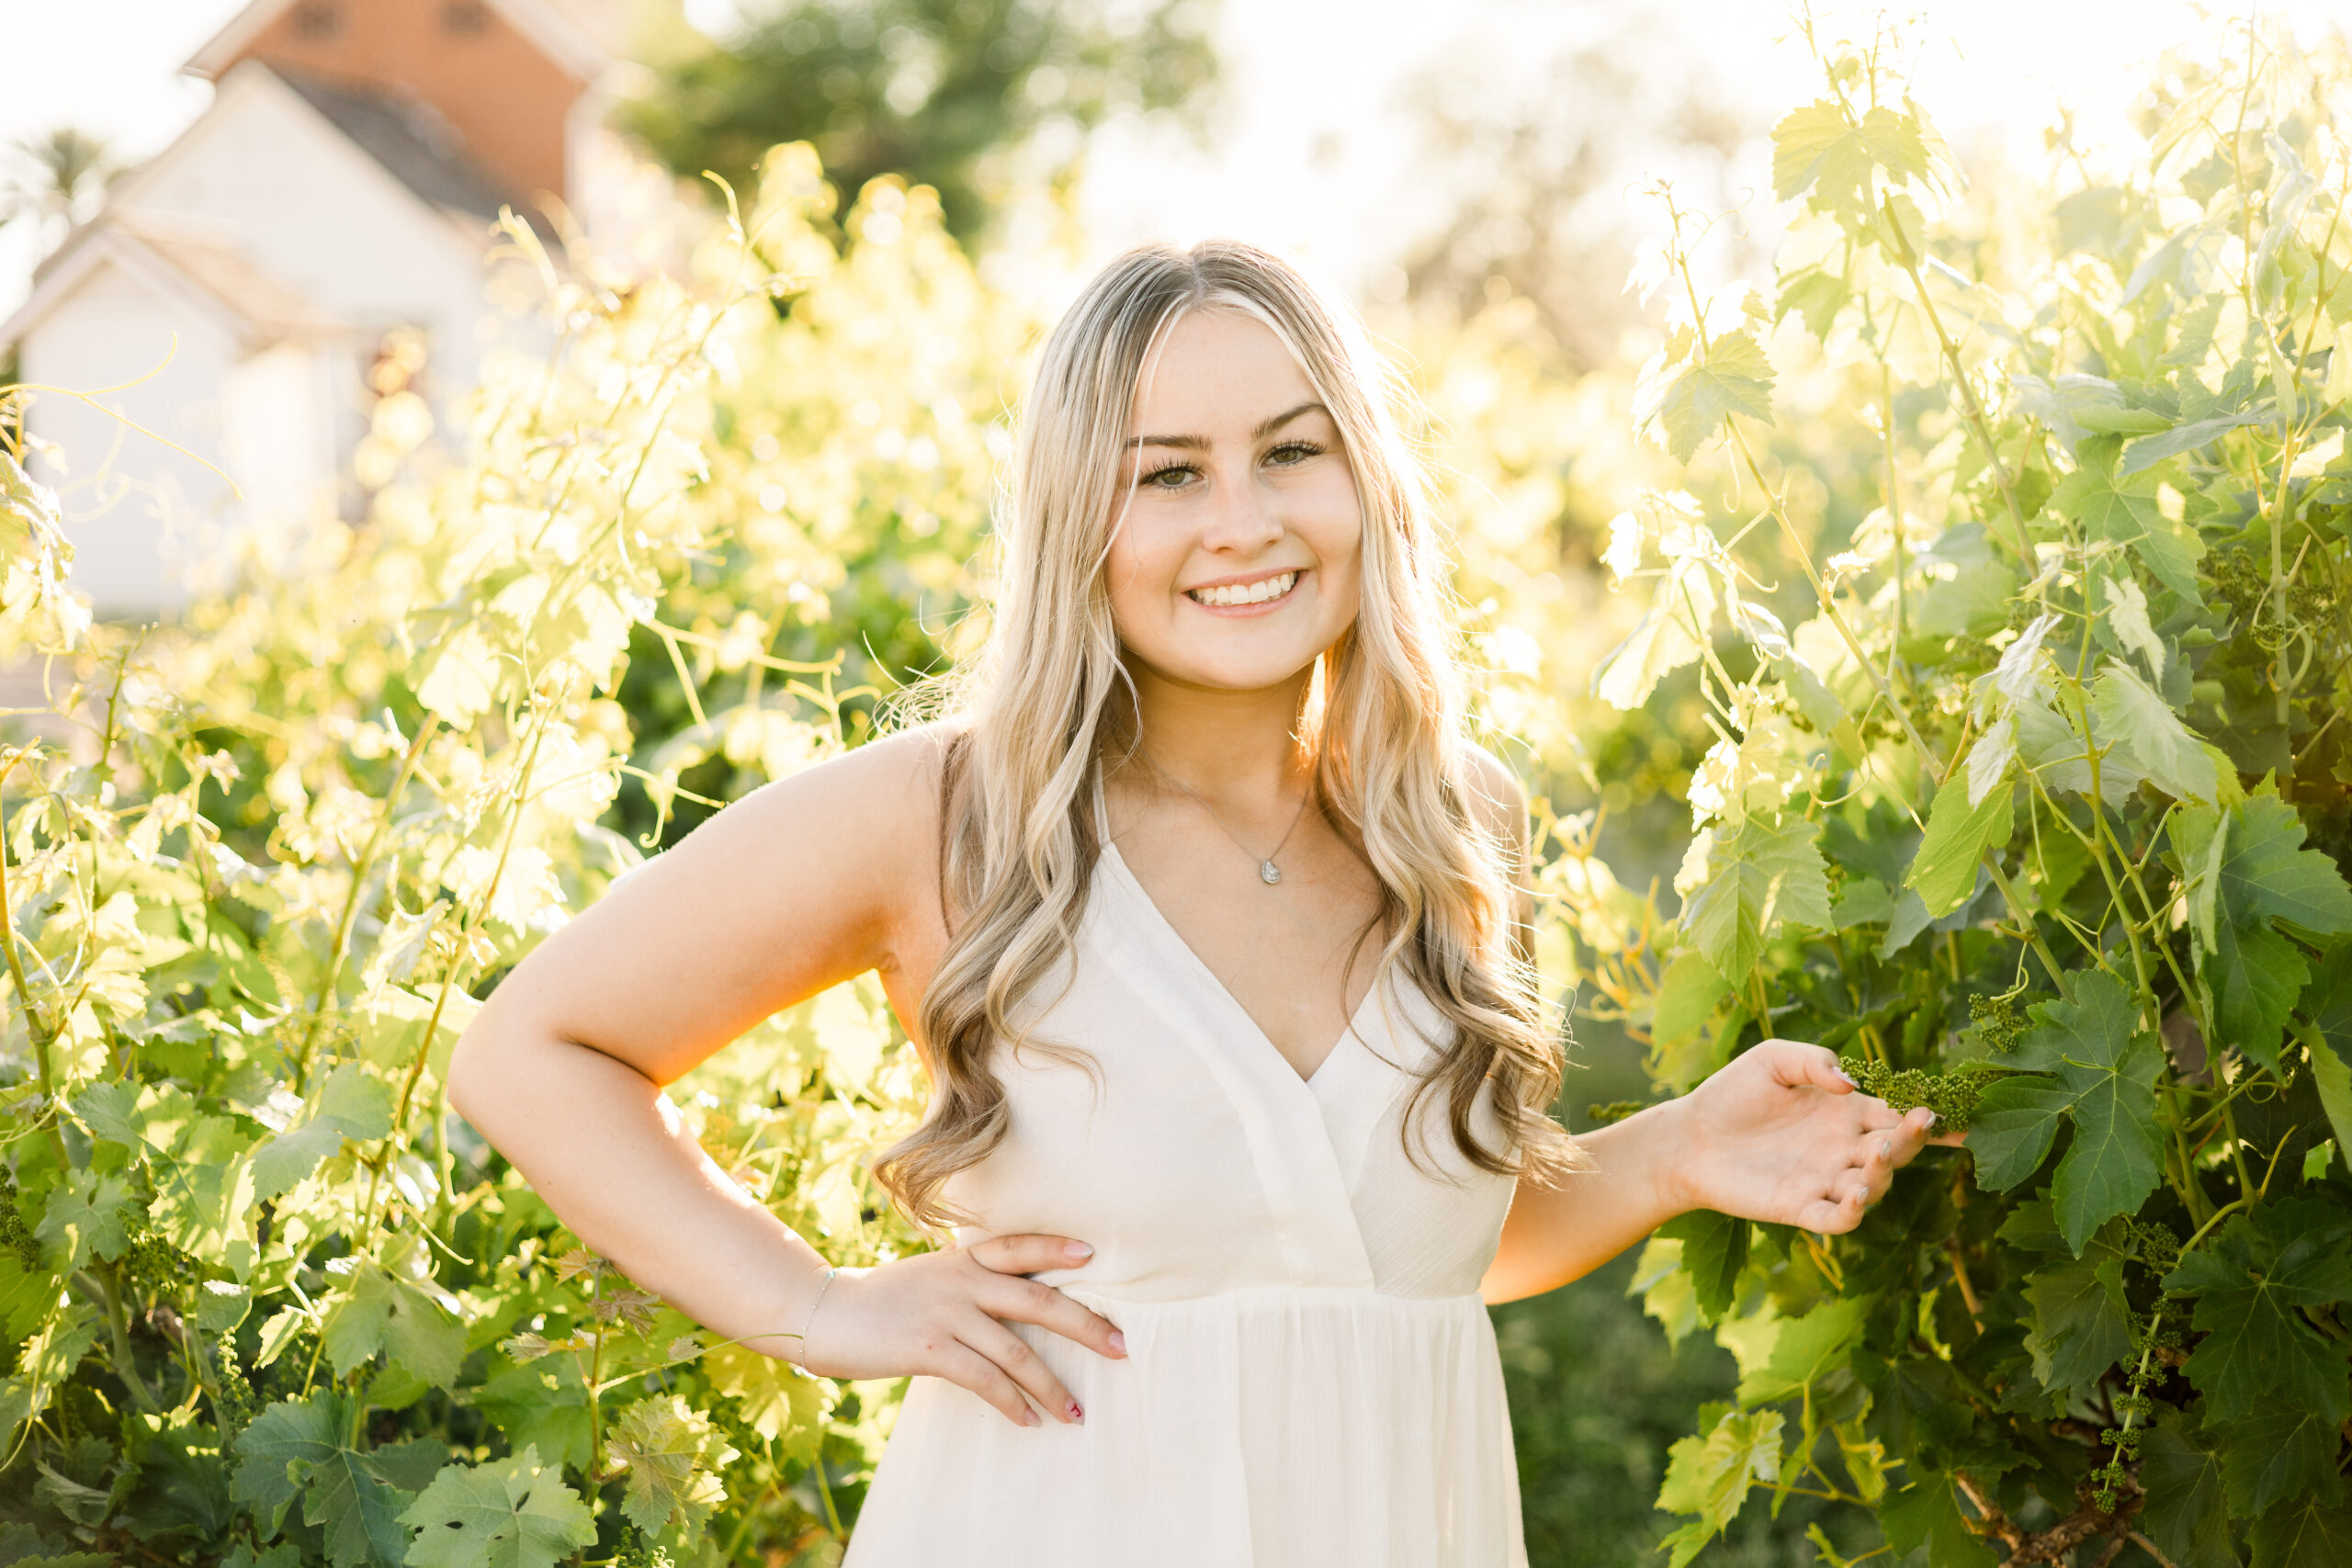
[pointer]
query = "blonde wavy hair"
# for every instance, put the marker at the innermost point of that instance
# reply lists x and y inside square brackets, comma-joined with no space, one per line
[1043,709]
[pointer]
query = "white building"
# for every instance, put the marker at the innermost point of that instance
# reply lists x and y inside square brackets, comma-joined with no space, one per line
[236,291]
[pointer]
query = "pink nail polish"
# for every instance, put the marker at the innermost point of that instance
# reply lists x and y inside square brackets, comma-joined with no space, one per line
[1075,1413]
[1118,1343]
[1078,1252]
[1030,1417]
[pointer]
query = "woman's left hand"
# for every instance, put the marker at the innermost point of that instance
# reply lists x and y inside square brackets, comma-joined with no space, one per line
[1780,1135]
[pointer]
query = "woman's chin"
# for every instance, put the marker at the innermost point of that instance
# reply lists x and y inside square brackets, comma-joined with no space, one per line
[1238,676]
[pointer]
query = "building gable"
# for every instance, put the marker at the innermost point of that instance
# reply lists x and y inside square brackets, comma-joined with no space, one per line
[503,74]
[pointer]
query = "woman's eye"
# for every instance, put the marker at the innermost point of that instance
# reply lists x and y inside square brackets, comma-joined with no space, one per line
[1291,453]
[1170,477]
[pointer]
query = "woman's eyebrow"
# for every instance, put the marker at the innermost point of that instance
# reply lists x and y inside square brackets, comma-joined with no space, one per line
[1200,443]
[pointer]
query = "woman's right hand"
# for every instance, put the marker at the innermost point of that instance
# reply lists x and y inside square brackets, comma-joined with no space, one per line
[942,1314]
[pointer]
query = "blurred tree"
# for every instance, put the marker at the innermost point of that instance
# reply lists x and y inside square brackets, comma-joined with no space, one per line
[940,91]
[56,180]
[1537,153]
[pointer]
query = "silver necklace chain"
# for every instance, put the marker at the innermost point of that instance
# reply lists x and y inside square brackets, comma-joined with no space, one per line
[1268,872]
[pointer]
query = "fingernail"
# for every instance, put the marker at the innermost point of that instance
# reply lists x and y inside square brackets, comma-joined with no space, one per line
[1031,1418]
[1118,1343]
[1078,1252]
[1076,1413]
[1886,1148]
[1849,1078]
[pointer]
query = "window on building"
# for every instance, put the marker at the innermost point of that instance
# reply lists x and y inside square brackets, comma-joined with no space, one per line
[317,19]
[465,17]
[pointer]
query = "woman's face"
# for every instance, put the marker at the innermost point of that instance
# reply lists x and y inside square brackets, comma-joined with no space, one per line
[1237,561]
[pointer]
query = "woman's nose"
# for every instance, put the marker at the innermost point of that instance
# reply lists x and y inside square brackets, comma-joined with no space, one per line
[1242,516]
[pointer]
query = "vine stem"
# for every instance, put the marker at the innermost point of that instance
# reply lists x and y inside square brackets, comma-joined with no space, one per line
[359,873]
[1978,425]
[42,1036]
[449,982]
[1894,511]
[1937,768]
[1777,504]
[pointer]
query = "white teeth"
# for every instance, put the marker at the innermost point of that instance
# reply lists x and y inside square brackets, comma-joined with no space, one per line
[1252,594]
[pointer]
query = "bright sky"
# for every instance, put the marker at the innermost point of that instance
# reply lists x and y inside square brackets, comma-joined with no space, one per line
[1315,156]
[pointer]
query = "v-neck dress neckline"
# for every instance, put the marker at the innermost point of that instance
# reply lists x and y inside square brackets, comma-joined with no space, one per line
[1311,1381]
[1149,906]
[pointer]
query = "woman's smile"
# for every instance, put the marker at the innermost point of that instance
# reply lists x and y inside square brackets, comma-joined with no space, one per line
[1249,595]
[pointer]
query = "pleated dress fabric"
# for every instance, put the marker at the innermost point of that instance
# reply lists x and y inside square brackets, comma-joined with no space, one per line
[1310,1379]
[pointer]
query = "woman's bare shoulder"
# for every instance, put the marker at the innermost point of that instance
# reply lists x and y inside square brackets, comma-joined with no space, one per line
[883,796]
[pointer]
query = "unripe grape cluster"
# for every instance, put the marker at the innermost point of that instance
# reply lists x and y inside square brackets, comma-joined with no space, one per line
[1951,1096]
[1615,1111]
[1998,1022]
[154,1267]
[14,1235]
[233,1400]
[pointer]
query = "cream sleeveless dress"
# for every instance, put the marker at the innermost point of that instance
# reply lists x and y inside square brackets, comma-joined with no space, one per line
[1311,1379]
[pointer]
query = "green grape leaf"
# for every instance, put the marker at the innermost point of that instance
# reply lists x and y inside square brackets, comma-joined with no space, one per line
[87,1216]
[1926,1513]
[1804,1350]
[2279,1452]
[2150,450]
[2016,1121]
[507,1513]
[110,1111]
[44,1363]
[1684,404]
[2330,1002]
[1714,1251]
[541,1404]
[1821,153]
[2118,1153]
[775,1399]
[2268,875]
[2198,839]
[1944,871]
[2129,515]
[2126,710]
[351,1105]
[2106,1074]
[2306,1533]
[1710,1475]
[1760,874]
[294,1450]
[1687,995]
[2187,1516]
[1815,295]
[672,1453]
[381,1312]
[1971,603]
[2251,1281]
[285,1554]
[2254,975]
[2081,1323]
[27,1298]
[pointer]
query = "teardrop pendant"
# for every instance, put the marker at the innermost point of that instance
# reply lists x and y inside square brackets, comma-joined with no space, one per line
[1269,872]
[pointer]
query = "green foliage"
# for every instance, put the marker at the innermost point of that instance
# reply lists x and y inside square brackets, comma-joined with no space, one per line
[2045,729]
[267,1300]
[942,92]
[507,1515]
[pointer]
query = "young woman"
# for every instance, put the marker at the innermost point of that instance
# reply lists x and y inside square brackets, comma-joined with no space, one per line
[1207,920]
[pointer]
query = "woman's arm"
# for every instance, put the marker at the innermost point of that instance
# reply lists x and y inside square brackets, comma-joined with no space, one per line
[802,885]
[1780,1134]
